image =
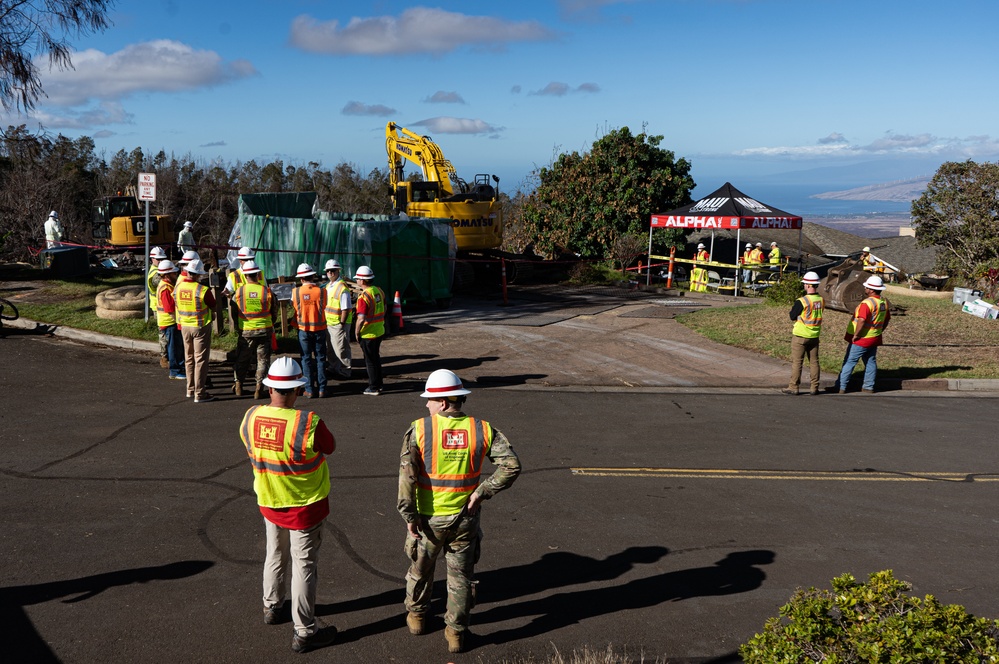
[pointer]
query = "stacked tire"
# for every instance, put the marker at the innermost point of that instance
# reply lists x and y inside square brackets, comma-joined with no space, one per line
[122,303]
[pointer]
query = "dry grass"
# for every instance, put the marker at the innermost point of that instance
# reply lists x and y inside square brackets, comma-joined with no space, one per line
[934,339]
[586,655]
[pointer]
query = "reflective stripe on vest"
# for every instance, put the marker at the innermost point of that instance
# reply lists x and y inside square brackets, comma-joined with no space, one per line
[774,256]
[452,456]
[334,293]
[151,285]
[374,317]
[287,472]
[191,308]
[809,323]
[164,319]
[878,308]
[702,255]
[309,307]
[254,303]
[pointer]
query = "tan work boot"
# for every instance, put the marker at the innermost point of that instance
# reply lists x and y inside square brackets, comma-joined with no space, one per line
[237,389]
[260,392]
[164,363]
[455,640]
[416,623]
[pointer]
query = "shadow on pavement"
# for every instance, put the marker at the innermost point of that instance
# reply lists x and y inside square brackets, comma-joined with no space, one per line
[30,646]
[40,329]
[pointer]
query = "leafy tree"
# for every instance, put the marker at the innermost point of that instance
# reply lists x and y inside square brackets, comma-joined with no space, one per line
[959,212]
[29,28]
[584,202]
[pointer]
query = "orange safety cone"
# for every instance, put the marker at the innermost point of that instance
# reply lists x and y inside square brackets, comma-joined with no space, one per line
[397,311]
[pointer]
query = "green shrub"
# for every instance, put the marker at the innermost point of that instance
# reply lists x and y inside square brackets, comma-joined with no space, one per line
[785,291]
[872,622]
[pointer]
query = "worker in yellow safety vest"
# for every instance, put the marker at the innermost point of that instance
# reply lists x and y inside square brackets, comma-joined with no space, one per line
[370,327]
[747,258]
[156,254]
[287,449]
[339,317]
[166,319]
[807,316]
[195,304]
[774,255]
[439,499]
[699,275]
[863,335]
[257,312]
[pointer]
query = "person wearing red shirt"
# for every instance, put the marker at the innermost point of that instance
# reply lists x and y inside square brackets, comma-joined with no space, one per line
[863,335]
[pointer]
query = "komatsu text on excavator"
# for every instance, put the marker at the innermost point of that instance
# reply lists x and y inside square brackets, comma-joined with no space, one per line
[474,209]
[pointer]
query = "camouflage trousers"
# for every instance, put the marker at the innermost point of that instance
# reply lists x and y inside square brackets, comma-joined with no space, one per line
[250,343]
[458,537]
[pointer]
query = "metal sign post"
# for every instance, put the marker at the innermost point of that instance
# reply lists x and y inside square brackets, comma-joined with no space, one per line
[147,192]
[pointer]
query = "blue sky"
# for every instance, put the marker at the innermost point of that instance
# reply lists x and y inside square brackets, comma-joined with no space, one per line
[747,90]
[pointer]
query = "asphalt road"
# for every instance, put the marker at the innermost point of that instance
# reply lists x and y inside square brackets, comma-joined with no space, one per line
[131,532]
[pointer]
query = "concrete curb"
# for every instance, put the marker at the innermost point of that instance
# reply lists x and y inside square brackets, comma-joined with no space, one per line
[99,338]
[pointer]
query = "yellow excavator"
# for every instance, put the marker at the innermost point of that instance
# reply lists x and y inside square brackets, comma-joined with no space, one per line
[119,222]
[474,210]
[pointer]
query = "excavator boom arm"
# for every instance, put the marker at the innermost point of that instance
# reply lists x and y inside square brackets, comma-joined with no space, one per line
[401,143]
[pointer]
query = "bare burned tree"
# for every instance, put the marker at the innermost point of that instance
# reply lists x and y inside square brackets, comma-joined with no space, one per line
[35,27]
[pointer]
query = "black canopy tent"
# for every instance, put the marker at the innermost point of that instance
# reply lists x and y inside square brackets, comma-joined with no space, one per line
[727,208]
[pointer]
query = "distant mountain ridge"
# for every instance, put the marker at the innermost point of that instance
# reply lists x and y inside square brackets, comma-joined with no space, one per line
[899,191]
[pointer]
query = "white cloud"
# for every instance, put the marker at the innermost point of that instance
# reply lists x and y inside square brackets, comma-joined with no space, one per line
[104,113]
[447,125]
[891,144]
[156,66]
[442,97]
[416,30]
[213,144]
[553,89]
[359,108]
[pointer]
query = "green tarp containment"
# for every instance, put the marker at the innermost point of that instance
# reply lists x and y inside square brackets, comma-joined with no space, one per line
[412,256]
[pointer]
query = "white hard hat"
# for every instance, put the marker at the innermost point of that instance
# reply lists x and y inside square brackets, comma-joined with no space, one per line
[166,267]
[773,244]
[157,253]
[443,383]
[188,224]
[867,249]
[759,244]
[188,256]
[874,283]
[284,374]
[304,270]
[250,267]
[749,246]
[810,278]
[245,254]
[195,267]
[332,264]
[700,246]
[364,272]
[54,214]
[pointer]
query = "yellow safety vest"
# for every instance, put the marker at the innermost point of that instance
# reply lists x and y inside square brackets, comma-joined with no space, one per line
[452,456]
[152,280]
[334,314]
[287,470]
[164,319]
[374,322]
[878,307]
[809,323]
[254,302]
[191,308]
[775,256]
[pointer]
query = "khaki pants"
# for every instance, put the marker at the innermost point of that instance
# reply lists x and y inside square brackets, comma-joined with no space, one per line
[197,351]
[800,347]
[299,550]
[339,350]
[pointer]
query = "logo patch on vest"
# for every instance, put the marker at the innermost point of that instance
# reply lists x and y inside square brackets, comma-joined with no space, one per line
[454,439]
[268,433]
[185,295]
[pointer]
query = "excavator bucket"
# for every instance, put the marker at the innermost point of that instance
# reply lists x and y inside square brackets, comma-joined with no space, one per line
[843,287]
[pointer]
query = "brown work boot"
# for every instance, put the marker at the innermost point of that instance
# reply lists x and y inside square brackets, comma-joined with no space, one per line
[237,389]
[260,392]
[416,623]
[455,639]
[165,363]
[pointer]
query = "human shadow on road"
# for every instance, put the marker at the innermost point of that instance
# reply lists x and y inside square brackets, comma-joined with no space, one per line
[550,572]
[28,645]
[736,573]
[40,329]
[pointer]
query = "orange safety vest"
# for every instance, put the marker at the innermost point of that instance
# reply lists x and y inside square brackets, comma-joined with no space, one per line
[878,308]
[309,301]
[254,302]
[287,470]
[452,450]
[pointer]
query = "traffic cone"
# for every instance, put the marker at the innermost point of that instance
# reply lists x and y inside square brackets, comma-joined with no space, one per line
[397,312]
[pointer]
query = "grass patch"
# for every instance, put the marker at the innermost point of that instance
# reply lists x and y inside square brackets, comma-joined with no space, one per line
[934,339]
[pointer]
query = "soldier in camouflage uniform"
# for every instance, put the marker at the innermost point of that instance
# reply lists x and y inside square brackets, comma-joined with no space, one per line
[439,499]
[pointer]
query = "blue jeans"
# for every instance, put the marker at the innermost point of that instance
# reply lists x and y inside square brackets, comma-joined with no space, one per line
[855,353]
[313,360]
[175,350]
